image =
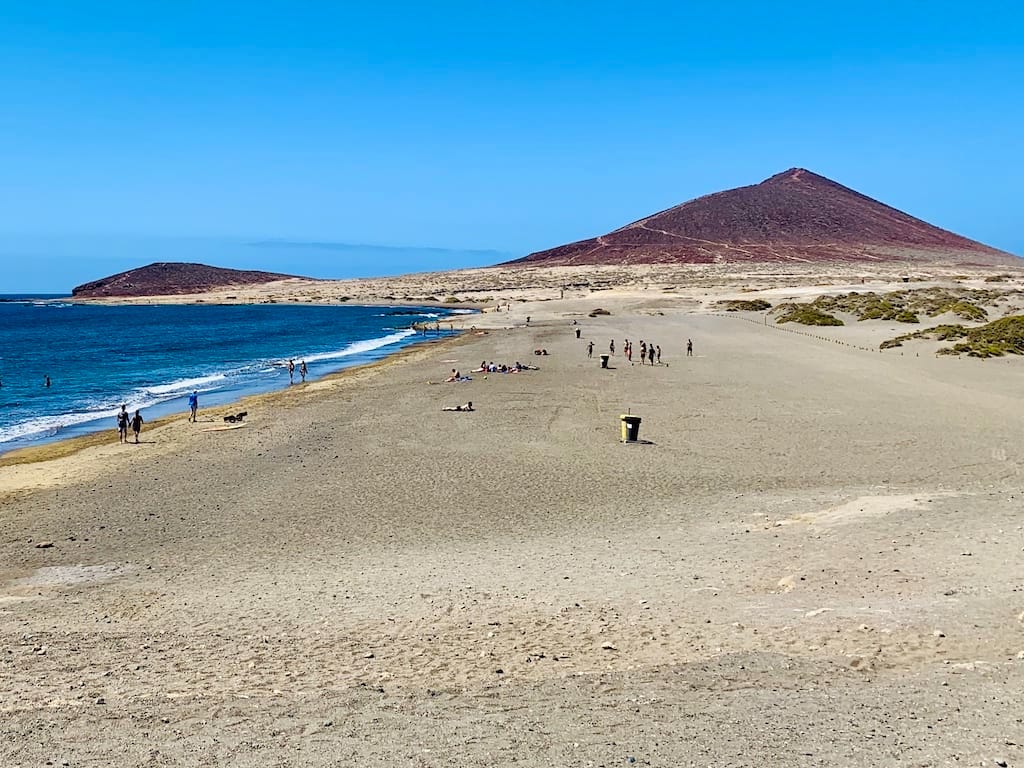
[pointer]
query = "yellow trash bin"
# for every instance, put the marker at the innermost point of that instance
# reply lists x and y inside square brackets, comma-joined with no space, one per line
[630,428]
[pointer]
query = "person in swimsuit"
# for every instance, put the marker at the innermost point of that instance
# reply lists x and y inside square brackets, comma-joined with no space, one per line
[137,425]
[291,371]
[303,370]
[467,407]
[590,349]
[122,425]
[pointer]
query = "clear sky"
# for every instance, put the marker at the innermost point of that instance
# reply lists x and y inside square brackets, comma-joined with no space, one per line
[193,128]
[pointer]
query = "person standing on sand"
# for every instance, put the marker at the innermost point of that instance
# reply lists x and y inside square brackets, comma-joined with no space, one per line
[122,424]
[659,354]
[650,354]
[643,351]
[590,349]
[193,406]
[689,348]
[611,346]
[629,351]
[291,371]
[303,370]
[137,425]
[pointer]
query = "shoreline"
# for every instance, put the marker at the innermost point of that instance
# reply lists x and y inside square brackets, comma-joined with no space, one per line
[40,456]
[71,422]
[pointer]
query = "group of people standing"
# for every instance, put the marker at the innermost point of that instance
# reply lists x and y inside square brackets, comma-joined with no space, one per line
[649,353]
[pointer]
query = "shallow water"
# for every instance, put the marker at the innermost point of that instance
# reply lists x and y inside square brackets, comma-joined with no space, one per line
[151,357]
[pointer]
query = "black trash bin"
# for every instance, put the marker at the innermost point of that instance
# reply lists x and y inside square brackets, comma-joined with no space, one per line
[604,360]
[630,428]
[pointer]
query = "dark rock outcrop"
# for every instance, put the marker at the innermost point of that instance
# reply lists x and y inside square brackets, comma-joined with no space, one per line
[171,279]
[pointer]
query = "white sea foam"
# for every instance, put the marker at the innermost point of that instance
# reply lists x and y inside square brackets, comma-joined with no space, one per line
[184,386]
[150,396]
[359,347]
[47,426]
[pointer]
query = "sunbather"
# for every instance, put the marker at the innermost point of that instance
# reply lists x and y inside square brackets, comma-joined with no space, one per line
[467,407]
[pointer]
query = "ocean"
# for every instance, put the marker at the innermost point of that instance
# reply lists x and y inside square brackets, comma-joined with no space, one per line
[151,357]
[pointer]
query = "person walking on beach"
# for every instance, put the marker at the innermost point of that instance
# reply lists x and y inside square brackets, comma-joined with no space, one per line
[611,346]
[303,370]
[137,425]
[689,348]
[629,351]
[659,354]
[193,406]
[577,333]
[643,351]
[590,349]
[291,371]
[122,425]
[650,354]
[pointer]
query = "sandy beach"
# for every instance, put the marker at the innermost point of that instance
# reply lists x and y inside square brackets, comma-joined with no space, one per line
[812,558]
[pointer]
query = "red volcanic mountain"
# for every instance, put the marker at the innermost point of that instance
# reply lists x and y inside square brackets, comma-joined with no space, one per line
[170,279]
[793,216]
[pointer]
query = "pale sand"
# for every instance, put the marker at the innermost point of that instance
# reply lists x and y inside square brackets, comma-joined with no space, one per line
[816,561]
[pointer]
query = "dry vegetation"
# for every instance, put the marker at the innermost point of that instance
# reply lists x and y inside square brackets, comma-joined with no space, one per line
[1004,336]
[805,314]
[743,305]
[906,306]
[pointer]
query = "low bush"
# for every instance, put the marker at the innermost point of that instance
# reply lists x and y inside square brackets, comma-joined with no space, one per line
[805,314]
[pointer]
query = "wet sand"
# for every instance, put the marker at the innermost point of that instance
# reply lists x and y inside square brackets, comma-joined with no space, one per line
[814,559]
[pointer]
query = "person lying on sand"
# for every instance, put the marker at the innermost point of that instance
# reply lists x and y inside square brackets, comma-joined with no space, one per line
[467,407]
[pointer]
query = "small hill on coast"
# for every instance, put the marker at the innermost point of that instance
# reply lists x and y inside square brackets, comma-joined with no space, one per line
[795,216]
[170,279]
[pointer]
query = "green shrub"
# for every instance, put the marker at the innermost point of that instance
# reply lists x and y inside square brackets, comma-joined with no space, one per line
[906,316]
[744,305]
[805,314]
[1004,336]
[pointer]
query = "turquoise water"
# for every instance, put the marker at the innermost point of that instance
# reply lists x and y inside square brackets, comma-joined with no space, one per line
[152,357]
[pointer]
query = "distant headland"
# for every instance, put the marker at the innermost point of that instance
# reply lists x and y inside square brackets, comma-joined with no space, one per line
[170,279]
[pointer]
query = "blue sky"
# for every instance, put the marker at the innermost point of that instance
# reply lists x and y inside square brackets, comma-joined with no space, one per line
[190,129]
